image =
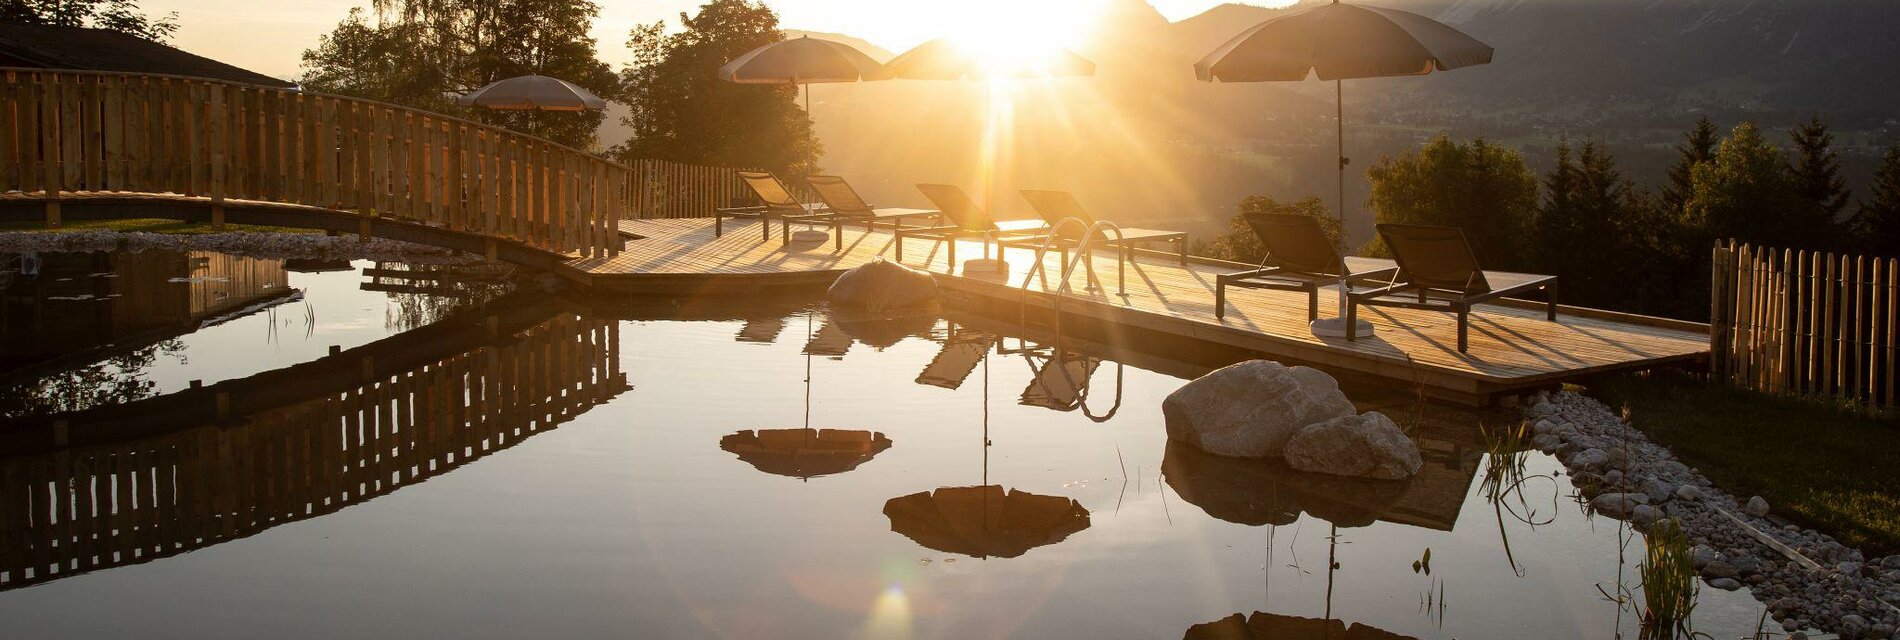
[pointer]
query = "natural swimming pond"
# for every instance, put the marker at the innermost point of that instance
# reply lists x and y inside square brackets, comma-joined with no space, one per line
[469,461]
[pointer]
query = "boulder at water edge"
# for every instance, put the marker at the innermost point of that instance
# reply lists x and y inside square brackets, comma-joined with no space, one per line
[883,286]
[1251,409]
[1364,446]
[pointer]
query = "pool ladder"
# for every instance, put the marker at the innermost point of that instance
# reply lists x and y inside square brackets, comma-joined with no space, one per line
[1084,252]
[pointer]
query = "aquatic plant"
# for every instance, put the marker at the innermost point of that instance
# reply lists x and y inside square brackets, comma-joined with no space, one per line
[1504,481]
[1670,584]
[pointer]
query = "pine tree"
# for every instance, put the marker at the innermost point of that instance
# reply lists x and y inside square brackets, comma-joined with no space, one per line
[1698,146]
[1816,168]
[1877,223]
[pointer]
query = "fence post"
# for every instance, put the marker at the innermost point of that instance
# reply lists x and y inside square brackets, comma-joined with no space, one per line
[50,125]
[218,149]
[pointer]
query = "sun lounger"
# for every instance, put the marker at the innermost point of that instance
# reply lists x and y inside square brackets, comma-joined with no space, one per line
[966,220]
[1299,258]
[779,204]
[1441,272]
[843,206]
[1054,206]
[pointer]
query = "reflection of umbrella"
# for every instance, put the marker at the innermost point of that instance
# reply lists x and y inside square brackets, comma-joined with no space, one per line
[527,93]
[805,453]
[1336,42]
[1269,626]
[945,59]
[985,521]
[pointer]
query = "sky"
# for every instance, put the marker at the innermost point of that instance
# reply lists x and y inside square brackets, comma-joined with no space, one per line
[269,37]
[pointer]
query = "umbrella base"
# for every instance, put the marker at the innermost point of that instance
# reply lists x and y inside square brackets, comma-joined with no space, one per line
[985,267]
[811,235]
[1336,328]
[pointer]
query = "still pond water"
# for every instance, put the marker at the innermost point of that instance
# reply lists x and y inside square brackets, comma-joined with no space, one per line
[374,450]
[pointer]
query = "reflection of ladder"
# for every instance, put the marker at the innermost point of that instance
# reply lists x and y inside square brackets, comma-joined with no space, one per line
[1061,379]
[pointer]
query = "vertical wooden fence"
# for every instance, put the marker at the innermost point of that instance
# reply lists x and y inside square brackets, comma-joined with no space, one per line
[64,132]
[665,189]
[1806,323]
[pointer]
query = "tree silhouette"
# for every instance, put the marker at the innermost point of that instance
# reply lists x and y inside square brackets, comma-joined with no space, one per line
[424,53]
[682,111]
[1877,222]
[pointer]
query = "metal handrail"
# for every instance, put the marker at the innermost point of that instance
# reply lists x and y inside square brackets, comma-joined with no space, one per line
[1084,250]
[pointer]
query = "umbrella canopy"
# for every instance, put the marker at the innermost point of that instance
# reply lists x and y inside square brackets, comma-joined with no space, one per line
[1342,41]
[526,93]
[1338,42]
[805,453]
[985,521]
[945,59]
[801,60]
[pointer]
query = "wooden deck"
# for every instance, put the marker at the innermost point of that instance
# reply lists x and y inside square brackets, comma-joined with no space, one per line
[1512,346]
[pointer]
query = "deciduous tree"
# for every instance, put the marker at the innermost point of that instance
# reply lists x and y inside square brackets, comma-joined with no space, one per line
[1697,147]
[1483,188]
[117,15]
[424,53]
[1239,243]
[682,111]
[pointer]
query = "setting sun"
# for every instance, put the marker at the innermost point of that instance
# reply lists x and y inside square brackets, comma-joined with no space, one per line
[1018,38]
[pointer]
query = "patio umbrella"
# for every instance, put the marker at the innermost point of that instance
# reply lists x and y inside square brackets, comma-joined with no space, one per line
[805,453]
[1338,42]
[803,61]
[944,59]
[527,93]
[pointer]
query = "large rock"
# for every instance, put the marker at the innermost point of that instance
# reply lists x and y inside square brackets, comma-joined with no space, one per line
[1362,446]
[1251,409]
[883,285]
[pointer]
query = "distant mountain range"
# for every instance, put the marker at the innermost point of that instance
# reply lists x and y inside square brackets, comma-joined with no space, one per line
[1832,56]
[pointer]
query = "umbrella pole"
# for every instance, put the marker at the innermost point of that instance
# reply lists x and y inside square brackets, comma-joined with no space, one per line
[1335,327]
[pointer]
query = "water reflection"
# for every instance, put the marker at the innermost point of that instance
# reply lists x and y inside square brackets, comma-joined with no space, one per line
[79,330]
[1267,626]
[985,521]
[805,453]
[125,484]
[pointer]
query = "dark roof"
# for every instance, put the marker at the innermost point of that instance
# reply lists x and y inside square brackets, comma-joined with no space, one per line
[51,47]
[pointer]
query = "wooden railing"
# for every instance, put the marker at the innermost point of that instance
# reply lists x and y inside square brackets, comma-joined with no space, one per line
[65,132]
[1806,323]
[115,500]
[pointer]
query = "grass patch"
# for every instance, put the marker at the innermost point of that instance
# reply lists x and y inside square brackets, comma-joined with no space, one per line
[151,225]
[1817,464]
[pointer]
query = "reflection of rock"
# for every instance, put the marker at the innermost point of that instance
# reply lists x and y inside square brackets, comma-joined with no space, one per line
[881,331]
[1258,492]
[1251,409]
[1264,626]
[985,521]
[883,285]
[1361,446]
[805,453]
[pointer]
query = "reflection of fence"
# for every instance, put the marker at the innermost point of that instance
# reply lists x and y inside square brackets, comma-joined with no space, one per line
[106,503]
[1806,323]
[70,131]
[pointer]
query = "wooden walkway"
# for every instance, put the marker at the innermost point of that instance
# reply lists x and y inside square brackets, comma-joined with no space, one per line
[1512,346]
